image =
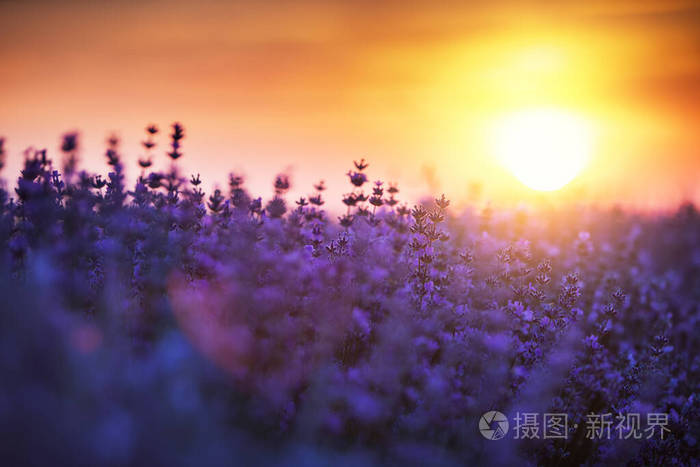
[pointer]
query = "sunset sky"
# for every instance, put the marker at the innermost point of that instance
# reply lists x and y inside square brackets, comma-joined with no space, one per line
[414,87]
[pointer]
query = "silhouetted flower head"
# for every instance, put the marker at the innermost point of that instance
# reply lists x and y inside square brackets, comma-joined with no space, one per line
[442,202]
[216,201]
[403,210]
[349,199]
[235,181]
[154,180]
[316,200]
[178,132]
[357,178]
[97,182]
[2,153]
[70,142]
[174,154]
[281,184]
[378,190]
[436,217]
[376,201]
[419,213]
[33,167]
[346,220]
[362,211]
[362,165]
[276,207]
[542,278]
[545,266]
[571,278]
[177,135]
[255,205]
[112,157]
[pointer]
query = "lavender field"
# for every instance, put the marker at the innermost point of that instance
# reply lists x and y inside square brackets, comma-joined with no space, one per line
[158,324]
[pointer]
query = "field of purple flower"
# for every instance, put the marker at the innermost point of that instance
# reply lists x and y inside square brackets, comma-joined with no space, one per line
[158,324]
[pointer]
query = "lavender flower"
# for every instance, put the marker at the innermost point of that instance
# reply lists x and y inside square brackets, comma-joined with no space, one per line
[217,319]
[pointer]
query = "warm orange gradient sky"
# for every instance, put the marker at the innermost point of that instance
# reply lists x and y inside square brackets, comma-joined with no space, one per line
[414,87]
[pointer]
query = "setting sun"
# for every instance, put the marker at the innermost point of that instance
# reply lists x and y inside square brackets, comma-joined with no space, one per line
[544,148]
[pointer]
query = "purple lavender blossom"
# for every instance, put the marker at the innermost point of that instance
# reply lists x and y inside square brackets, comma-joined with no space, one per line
[172,325]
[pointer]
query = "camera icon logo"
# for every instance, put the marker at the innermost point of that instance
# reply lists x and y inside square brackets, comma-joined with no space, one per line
[493,425]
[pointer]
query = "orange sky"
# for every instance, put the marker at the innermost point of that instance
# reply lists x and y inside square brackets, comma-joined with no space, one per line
[264,87]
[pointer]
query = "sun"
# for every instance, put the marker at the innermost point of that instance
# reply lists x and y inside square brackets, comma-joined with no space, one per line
[544,148]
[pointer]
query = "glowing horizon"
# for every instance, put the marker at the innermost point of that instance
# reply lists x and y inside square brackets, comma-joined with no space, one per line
[267,87]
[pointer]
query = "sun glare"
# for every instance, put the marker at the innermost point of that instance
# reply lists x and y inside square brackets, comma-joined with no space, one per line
[544,148]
